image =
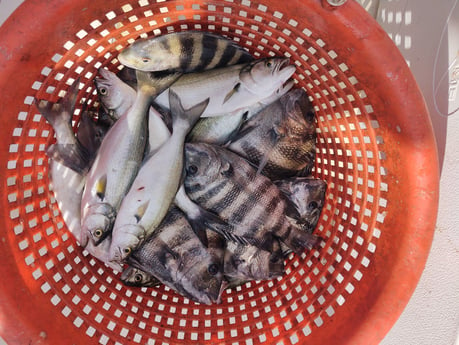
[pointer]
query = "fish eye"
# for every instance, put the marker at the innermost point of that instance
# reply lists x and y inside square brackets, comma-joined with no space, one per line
[98,233]
[274,259]
[212,269]
[312,205]
[138,278]
[145,59]
[269,63]
[103,91]
[192,169]
[127,250]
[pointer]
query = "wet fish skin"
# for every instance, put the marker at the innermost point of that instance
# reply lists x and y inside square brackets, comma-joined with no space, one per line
[224,183]
[158,134]
[281,138]
[175,256]
[187,51]
[233,88]
[118,160]
[135,277]
[115,95]
[155,186]
[308,196]
[67,186]
[246,262]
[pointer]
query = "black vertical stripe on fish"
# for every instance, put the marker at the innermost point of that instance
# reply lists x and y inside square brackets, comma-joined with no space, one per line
[165,44]
[187,47]
[227,200]
[209,49]
[252,199]
[208,194]
[227,56]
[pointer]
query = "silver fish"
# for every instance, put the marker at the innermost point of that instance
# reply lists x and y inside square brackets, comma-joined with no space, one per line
[135,277]
[179,260]
[155,185]
[246,262]
[231,88]
[224,183]
[67,186]
[158,134]
[116,96]
[280,139]
[308,196]
[183,51]
[219,130]
[118,161]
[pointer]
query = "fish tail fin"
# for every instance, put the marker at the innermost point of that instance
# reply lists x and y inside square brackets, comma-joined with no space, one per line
[65,108]
[69,101]
[182,117]
[299,240]
[153,83]
[73,156]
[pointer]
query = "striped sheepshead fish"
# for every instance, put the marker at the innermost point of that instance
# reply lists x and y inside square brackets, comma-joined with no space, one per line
[188,51]
[224,183]
[280,140]
[178,259]
[308,196]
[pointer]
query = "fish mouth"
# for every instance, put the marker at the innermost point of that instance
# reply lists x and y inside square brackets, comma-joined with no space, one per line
[284,69]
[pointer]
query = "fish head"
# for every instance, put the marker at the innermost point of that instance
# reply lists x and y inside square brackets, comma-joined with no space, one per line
[265,76]
[202,164]
[196,271]
[98,222]
[308,195]
[247,262]
[201,276]
[114,94]
[149,56]
[126,239]
[298,113]
[132,276]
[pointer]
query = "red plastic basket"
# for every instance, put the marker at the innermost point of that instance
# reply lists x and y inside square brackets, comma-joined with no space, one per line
[375,149]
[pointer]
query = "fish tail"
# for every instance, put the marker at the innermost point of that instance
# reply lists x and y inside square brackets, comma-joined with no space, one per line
[153,83]
[182,118]
[63,110]
[73,156]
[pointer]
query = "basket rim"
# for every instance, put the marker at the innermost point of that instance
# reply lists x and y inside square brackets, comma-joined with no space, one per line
[416,164]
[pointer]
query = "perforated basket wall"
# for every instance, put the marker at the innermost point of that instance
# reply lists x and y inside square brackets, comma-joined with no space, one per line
[375,149]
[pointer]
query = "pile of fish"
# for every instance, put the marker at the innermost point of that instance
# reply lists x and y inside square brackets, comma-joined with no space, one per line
[195,170]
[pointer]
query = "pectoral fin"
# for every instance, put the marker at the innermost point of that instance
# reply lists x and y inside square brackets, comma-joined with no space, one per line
[141,211]
[101,186]
[233,91]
